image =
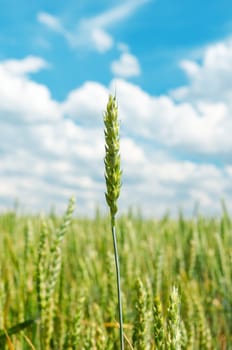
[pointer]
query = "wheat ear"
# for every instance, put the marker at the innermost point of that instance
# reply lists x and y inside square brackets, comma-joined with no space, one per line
[173,321]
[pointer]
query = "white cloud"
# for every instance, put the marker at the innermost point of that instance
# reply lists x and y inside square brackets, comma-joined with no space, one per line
[126,66]
[201,128]
[155,185]
[93,32]
[210,80]
[87,35]
[21,98]
[50,21]
[30,64]
[54,24]
[229,170]
[101,40]
[115,14]
[86,104]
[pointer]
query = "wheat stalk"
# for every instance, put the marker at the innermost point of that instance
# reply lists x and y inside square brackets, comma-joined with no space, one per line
[113,185]
[47,276]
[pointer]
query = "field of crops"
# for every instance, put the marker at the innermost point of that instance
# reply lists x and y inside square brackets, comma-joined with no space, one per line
[176,283]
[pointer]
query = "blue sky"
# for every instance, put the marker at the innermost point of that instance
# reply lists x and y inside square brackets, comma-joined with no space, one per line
[171,65]
[159,33]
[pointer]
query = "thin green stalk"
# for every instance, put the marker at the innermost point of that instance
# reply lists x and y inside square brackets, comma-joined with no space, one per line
[117,265]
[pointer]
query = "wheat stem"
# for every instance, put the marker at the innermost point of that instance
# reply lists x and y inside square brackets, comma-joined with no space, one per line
[118,287]
[113,184]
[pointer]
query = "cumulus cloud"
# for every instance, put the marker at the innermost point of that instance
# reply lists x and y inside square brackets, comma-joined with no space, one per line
[210,80]
[126,66]
[51,150]
[85,104]
[47,152]
[201,128]
[21,98]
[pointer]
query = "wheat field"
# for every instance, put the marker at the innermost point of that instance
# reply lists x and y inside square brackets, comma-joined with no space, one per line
[175,276]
